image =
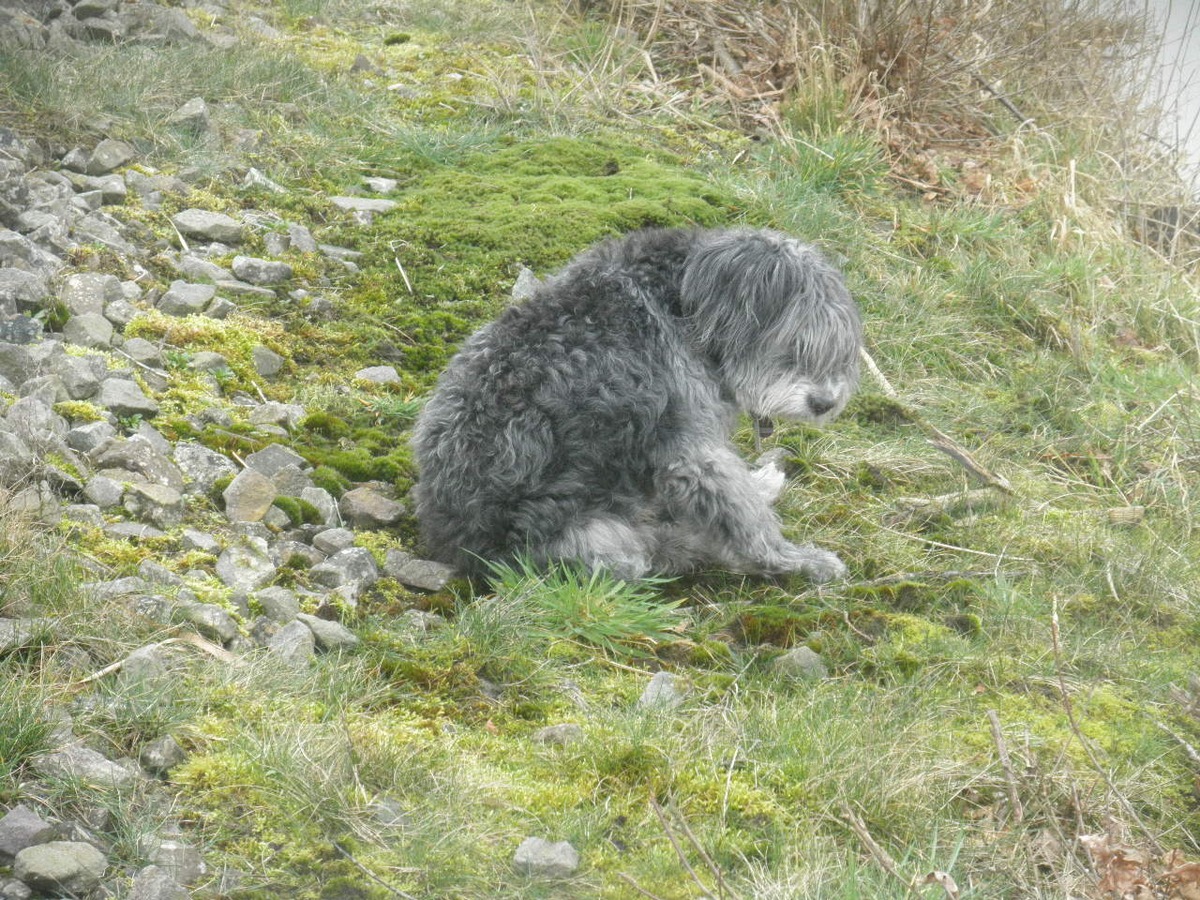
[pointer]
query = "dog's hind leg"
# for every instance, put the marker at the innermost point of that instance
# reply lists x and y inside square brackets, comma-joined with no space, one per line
[721,508]
[602,542]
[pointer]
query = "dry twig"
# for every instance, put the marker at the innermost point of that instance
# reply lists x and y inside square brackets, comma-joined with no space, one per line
[881,856]
[1014,797]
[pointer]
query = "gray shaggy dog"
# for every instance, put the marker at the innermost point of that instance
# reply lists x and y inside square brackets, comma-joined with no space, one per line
[591,423]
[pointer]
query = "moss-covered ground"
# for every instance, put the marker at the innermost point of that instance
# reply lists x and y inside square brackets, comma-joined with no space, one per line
[1059,354]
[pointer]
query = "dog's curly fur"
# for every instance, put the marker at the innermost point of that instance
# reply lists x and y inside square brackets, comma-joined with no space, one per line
[592,422]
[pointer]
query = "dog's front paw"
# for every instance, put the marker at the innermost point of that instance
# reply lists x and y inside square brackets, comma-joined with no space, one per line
[770,481]
[818,565]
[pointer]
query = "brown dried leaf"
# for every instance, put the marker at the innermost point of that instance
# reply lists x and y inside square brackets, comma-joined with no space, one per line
[1184,878]
[948,884]
[1122,869]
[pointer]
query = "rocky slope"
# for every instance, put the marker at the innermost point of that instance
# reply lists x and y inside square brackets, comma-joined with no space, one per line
[80,450]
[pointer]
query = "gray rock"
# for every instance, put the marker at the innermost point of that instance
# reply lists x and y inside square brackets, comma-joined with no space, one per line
[278,604]
[111,188]
[329,635]
[18,252]
[11,888]
[118,587]
[197,268]
[294,644]
[177,858]
[193,116]
[209,226]
[21,827]
[139,456]
[201,467]
[267,362]
[351,566]
[81,375]
[20,330]
[22,291]
[261,271]
[109,155]
[161,756]
[18,363]
[800,663]
[142,351]
[221,308]
[147,432]
[381,185]
[191,539]
[333,540]
[18,633]
[37,502]
[665,691]
[421,621]
[249,496]
[103,491]
[134,531]
[35,422]
[301,239]
[369,205]
[156,503]
[87,766]
[209,361]
[59,868]
[144,665]
[541,858]
[558,735]
[409,570]
[324,503]
[17,459]
[101,228]
[125,398]
[272,458]
[365,507]
[245,565]
[210,620]
[89,292]
[291,480]
[526,284]
[89,330]
[156,883]
[183,298]
[285,415]
[378,375]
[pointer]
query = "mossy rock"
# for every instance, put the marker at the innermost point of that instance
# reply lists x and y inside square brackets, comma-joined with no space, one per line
[299,511]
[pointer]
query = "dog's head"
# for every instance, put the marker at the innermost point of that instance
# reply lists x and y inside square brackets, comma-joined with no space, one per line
[776,319]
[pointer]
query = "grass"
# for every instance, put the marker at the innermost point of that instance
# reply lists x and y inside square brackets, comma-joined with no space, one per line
[1014,317]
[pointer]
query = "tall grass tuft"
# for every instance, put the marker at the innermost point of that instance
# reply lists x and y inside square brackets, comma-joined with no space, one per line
[592,609]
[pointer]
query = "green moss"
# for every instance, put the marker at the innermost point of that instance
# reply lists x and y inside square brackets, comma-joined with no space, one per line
[80,411]
[463,231]
[299,511]
[325,425]
[786,627]
[330,479]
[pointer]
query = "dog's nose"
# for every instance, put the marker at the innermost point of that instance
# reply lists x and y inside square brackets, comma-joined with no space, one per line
[821,403]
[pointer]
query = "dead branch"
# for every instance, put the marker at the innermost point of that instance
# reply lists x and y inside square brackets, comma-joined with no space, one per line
[1014,797]
[881,856]
[936,437]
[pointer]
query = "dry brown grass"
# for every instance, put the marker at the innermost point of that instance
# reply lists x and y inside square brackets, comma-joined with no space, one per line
[967,98]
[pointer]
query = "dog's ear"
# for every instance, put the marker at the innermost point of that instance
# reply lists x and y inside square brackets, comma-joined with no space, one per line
[745,288]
